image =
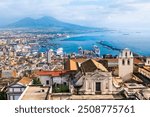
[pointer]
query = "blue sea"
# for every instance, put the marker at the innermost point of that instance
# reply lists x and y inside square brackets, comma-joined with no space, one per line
[138,42]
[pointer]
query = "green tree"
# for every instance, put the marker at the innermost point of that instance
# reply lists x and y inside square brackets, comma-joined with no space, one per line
[37,81]
[3,96]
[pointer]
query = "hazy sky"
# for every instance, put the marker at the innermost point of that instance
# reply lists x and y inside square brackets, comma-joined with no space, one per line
[98,13]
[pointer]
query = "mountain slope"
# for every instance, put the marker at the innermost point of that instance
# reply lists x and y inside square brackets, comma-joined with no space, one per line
[45,22]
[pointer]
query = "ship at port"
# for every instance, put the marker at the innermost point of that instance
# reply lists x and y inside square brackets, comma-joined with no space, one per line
[80,51]
[96,50]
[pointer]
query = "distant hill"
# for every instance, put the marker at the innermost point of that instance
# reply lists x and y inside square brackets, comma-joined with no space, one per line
[46,22]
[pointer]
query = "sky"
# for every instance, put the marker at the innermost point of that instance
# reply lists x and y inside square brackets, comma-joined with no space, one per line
[94,13]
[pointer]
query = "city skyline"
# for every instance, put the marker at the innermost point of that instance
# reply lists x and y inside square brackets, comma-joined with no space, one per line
[94,13]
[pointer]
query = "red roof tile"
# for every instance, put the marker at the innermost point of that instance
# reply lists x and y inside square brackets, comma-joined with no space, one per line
[51,73]
[137,61]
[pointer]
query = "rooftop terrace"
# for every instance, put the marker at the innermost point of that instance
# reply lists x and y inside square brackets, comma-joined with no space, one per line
[34,93]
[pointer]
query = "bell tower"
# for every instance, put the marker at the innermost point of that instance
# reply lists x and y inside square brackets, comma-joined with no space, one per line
[125,64]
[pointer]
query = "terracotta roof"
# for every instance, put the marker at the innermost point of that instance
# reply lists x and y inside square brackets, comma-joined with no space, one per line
[73,65]
[96,59]
[25,81]
[51,73]
[147,68]
[137,61]
[114,60]
[79,60]
[99,66]
[91,65]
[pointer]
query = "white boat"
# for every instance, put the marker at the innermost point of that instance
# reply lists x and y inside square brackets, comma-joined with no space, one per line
[80,50]
[96,50]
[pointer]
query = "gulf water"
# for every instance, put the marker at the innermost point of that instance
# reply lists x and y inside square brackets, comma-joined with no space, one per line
[138,42]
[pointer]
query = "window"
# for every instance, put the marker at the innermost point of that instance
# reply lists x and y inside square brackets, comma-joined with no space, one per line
[98,86]
[126,54]
[17,89]
[11,98]
[123,62]
[22,89]
[16,97]
[47,82]
[57,85]
[11,90]
[65,83]
[128,62]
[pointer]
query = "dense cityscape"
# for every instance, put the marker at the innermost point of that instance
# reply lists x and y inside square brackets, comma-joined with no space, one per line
[74,58]
[29,74]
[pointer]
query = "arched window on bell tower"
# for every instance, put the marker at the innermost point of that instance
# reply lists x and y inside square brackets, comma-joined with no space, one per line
[126,54]
[123,62]
[128,62]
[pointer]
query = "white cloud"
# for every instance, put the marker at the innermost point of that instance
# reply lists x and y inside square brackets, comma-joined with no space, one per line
[102,13]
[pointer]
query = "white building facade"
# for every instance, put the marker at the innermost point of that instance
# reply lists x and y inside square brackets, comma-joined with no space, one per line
[96,83]
[15,91]
[147,63]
